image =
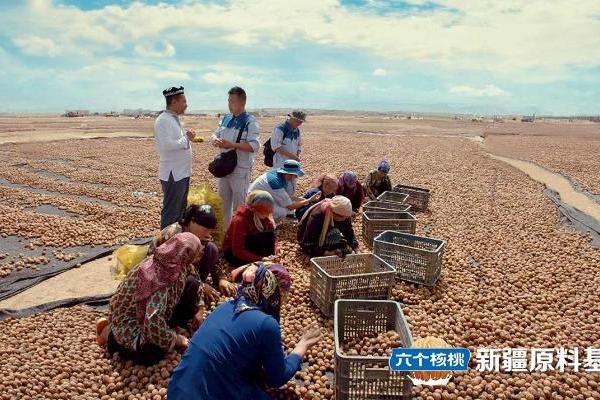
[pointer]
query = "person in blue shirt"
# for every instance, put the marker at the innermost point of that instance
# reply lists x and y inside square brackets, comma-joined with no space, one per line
[281,185]
[238,351]
[233,188]
[286,141]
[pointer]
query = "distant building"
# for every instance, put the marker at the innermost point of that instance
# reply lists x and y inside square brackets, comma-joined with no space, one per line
[136,112]
[76,113]
[528,118]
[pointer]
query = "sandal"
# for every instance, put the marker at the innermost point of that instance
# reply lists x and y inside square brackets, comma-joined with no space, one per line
[101,324]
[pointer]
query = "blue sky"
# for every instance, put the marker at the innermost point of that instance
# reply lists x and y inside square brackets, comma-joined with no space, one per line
[441,56]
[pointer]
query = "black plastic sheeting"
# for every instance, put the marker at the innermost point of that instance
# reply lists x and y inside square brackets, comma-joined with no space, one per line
[100,302]
[20,281]
[575,219]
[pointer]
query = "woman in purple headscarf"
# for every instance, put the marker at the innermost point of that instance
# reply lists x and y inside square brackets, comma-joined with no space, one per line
[238,348]
[350,187]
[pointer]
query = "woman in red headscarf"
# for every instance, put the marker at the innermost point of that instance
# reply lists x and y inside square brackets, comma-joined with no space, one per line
[161,293]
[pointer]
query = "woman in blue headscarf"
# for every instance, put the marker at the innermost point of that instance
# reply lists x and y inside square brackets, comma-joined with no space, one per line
[238,349]
[378,180]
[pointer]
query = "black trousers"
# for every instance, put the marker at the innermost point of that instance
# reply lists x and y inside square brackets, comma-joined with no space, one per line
[233,260]
[149,353]
[174,200]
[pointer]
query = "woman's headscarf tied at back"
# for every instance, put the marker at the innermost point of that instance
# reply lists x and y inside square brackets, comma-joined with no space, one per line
[384,166]
[164,267]
[262,202]
[339,205]
[261,288]
[348,179]
[327,182]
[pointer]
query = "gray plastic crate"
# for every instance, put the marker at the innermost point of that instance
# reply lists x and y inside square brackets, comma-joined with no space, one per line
[417,259]
[369,377]
[375,222]
[381,205]
[418,197]
[393,196]
[358,276]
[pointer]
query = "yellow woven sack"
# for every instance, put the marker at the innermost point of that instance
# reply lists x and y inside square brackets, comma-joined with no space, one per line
[203,194]
[127,257]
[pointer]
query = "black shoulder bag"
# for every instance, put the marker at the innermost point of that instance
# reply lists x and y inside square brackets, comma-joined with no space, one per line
[224,163]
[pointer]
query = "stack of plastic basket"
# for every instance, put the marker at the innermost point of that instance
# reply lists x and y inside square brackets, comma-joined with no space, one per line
[375,222]
[396,202]
[416,259]
[359,377]
[357,276]
[418,197]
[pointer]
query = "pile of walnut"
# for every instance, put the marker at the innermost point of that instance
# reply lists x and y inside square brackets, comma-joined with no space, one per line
[380,345]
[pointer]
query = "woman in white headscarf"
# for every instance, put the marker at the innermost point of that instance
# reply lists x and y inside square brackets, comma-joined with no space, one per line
[326,228]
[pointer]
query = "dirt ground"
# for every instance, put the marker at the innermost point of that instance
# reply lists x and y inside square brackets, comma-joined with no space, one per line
[91,279]
[512,275]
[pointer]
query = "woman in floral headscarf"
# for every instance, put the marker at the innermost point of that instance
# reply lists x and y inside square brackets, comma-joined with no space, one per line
[351,188]
[241,340]
[161,293]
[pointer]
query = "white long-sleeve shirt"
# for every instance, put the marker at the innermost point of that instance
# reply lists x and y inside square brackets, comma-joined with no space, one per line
[173,147]
[281,139]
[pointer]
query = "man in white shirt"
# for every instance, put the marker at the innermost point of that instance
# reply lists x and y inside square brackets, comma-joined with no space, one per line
[286,141]
[234,187]
[175,156]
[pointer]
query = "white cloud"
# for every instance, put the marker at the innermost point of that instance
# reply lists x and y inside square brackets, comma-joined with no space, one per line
[485,91]
[507,43]
[37,46]
[128,73]
[153,51]
[220,74]
[501,37]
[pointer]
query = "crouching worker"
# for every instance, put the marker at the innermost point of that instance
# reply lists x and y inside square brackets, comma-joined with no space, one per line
[251,234]
[378,181]
[326,228]
[350,187]
[158,295]
[281,184]
[326,186]
[238,349]
[201,221]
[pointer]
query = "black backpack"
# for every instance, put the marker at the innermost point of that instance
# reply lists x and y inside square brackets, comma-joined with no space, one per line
[269,153]
[268,150]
